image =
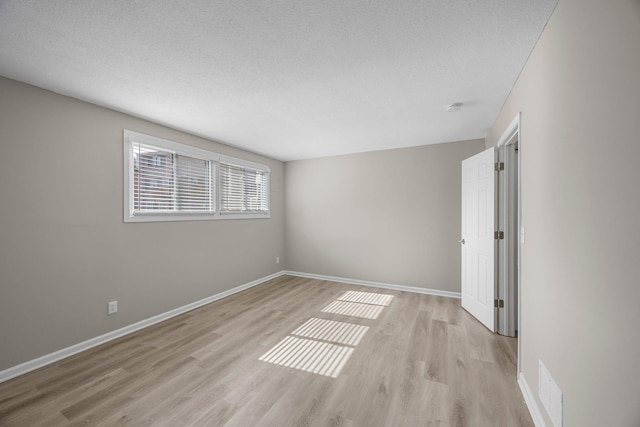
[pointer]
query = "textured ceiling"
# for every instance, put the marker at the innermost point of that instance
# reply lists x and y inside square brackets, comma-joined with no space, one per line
[290,79]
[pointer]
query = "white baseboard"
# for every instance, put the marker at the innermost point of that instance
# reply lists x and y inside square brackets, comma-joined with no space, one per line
[47,359]
[530,400]
[376,284]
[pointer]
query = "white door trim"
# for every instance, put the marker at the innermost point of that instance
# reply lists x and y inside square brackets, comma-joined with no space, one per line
[511,135]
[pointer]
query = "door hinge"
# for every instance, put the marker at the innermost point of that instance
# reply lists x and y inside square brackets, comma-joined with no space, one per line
[498,303]
[499,166]
[499,235]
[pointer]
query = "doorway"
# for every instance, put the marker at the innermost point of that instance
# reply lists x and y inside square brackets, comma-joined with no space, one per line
[508,221]
[492,234]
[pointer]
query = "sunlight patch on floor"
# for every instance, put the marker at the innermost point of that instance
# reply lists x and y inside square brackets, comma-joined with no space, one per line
[366,298]
[354,309]
[330,330]
[322,346]
[317,357]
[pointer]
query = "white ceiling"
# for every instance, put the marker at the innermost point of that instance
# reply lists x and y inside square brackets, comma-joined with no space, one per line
[290,79]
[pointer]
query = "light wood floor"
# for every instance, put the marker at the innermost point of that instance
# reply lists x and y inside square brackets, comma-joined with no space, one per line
[423,362]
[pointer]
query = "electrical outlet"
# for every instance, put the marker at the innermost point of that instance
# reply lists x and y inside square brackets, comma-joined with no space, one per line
[112,307]
[277,260]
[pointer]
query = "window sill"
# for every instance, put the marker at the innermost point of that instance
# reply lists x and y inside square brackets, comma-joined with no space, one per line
[192,217]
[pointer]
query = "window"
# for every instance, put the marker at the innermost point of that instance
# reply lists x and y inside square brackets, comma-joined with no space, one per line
[243,189]
[167,181]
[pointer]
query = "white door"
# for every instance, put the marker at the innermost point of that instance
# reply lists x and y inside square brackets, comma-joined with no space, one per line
[478,239]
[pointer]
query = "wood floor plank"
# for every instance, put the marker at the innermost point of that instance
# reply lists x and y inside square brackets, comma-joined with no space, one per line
[51,403]
[423,361]
[147,409]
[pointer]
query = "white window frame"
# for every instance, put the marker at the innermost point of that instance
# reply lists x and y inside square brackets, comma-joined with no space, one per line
[131,137]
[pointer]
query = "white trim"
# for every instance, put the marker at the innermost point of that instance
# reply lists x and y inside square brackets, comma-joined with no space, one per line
[507,208]
[518,120]
[510,131]
[47,359]
[244,163]
[530,400]
[190,216]
[514,130]
[174,147]
[375,284]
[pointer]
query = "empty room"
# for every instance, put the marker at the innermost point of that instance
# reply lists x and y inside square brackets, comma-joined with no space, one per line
[320,213]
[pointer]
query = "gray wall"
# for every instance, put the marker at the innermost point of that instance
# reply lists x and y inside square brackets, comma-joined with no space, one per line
[580,100]
[388,216]
[64,248]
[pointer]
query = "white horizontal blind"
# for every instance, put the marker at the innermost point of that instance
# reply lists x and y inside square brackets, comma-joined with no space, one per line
[152,179]
[169,182]
[193,190]
[243,189]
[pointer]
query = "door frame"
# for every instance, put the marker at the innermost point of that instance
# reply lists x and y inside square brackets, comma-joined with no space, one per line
[510,188]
